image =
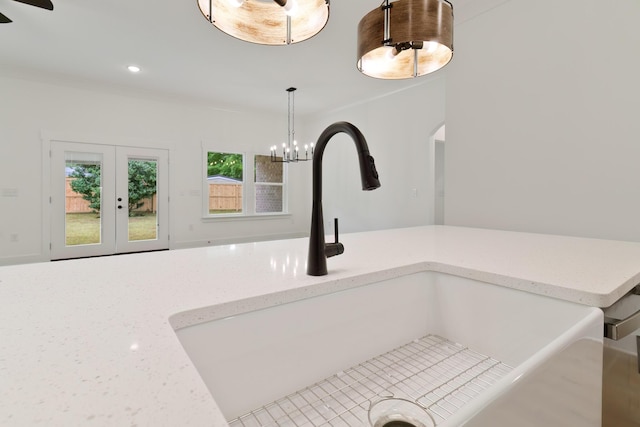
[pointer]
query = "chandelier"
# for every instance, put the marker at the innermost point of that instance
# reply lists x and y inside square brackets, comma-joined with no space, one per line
[290,149]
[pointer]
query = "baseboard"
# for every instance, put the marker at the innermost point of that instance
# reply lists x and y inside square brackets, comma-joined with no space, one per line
[23,259]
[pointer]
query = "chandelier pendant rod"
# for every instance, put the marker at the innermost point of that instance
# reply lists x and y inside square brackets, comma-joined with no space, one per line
[386,7]
[291,125]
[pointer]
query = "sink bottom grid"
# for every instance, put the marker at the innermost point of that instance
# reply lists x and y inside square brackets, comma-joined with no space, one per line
[437,374]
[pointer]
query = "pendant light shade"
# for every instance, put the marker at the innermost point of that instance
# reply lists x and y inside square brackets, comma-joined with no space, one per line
[270,22]
[405,39]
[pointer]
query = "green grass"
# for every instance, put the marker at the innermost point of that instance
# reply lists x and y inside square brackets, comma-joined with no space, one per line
[142,227]
[84,228]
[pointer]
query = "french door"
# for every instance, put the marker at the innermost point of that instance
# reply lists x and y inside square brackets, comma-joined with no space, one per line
[107,199]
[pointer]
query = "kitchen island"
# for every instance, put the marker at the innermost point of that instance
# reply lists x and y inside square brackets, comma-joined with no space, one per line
[92,341]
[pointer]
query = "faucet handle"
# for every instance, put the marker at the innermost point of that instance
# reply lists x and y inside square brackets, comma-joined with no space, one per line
[335,248]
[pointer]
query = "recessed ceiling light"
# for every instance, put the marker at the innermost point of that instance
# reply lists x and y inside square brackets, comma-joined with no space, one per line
[133,68]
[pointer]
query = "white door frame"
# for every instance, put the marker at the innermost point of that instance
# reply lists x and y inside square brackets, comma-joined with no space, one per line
[160,155]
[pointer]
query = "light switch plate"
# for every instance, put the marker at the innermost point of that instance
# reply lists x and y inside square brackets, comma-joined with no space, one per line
[9,192]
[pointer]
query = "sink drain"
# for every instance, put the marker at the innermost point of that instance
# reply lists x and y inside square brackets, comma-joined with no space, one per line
[397,412]
[398,424]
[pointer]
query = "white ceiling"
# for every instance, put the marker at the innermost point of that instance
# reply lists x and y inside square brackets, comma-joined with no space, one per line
[91,42]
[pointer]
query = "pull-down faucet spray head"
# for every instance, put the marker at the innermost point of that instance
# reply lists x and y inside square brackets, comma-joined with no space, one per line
[318,250]
[368,172]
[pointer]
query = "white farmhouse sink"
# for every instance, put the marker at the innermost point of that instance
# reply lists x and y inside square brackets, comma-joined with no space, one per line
[550,354]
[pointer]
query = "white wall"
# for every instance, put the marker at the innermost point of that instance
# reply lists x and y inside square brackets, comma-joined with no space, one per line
[542,119]
[29,108]
[399,130]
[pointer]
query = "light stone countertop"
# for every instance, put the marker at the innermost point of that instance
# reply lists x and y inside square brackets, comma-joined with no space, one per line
[91,341]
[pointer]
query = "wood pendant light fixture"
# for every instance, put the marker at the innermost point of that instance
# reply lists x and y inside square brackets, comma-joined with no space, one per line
[269,22]
[405,38]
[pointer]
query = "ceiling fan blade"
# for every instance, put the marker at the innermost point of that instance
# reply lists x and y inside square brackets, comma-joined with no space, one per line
[44,4]
[4,19]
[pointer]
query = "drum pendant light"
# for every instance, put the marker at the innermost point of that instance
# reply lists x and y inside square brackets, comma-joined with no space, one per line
[269,22]
[405,38]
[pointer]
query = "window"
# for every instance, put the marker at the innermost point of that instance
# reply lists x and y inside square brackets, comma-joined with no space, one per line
[269,185]
[224,183]
[230,191]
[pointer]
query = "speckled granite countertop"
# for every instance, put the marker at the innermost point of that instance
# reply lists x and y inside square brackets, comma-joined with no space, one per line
[91,341]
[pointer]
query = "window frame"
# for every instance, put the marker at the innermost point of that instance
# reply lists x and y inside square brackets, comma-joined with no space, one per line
[248,186]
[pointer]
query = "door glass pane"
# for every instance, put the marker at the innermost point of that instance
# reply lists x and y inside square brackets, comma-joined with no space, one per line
[83,199]
[143,203]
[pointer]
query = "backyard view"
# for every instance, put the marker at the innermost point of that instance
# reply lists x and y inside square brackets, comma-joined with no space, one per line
[225,177]
[224,172]
[84,228]
[83,202]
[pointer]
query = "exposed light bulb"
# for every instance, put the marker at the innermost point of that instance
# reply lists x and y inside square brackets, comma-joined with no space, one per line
[291,7]
[133,68]
[430,47]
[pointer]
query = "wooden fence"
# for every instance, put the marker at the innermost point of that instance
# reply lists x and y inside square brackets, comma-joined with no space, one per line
[74,203]
[222,197]
[225,197]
